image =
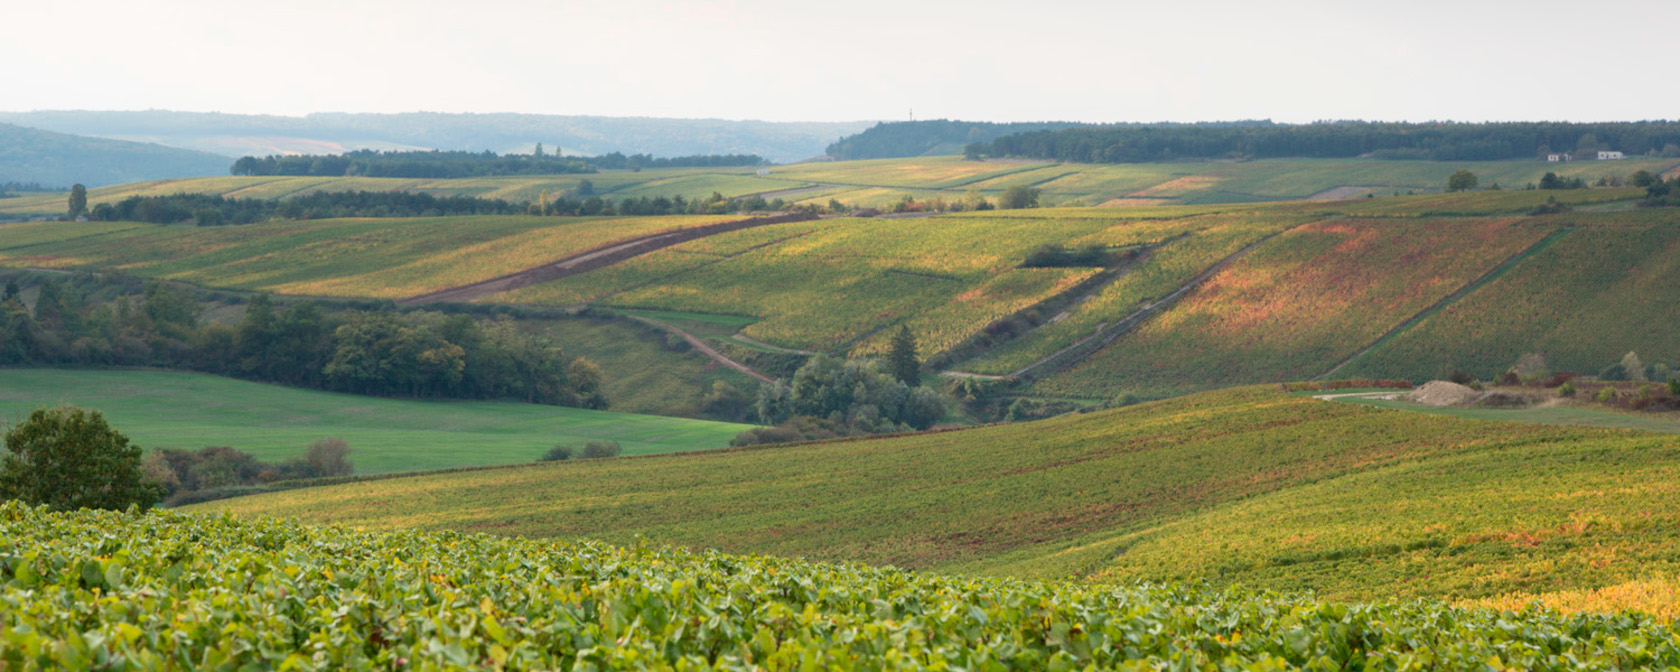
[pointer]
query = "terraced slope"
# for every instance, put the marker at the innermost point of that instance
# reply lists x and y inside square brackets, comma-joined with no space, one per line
[1073,496]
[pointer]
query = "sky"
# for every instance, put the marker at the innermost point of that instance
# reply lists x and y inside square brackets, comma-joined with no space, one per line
[805,60]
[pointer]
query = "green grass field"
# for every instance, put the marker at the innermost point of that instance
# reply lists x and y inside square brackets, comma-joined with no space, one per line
[1245,487]
[160,409]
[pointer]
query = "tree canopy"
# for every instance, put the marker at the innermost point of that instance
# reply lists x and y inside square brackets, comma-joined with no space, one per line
[69,458]
[1439,141]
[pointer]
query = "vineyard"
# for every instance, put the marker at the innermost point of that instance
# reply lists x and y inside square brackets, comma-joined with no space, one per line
[368,258]
[167,409]
[112,590]
[1298,304]
[825,286]
[1071,496]
[1186,248]
[1598,293]
[881,183]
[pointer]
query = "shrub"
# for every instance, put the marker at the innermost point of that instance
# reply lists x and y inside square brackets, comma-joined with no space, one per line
[1606,394]
[329,457]
[599,449]
[1567,390]
[1461,377]
[558,453]
[1674,386]
[1125,399]
[676,343]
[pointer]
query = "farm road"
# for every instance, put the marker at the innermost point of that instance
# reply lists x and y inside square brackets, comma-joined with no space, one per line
[704,349]
[593,259]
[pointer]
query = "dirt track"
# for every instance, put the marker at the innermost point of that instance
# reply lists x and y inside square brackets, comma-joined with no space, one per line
[704,349]
[593,259]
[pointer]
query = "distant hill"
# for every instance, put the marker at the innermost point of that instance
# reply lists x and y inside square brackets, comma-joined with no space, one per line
[928,138]
[331,133]
[59,160]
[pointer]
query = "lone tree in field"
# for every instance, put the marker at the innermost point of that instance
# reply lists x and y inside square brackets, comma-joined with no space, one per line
[901,360]
[1018,197]
[1463,180]
[78,201]
[68,458]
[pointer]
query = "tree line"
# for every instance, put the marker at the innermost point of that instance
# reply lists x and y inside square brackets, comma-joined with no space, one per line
[891,140]
[1438,141]
[93,321]
[215,210]
[15,189]
[454,164]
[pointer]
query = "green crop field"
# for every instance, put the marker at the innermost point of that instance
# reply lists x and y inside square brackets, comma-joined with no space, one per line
[1596,294]
[1077,496]
[376,258]
[1298,304]
[162,409]
[106,590]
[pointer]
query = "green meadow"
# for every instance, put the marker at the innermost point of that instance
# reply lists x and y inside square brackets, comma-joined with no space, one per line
[165,409]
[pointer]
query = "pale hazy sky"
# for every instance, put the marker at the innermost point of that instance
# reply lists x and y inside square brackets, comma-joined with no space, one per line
[787,60]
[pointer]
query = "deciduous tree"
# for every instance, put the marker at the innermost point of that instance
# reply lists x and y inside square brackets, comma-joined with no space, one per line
[68,458]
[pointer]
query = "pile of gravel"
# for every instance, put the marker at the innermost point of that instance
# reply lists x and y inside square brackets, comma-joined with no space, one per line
[1442,393]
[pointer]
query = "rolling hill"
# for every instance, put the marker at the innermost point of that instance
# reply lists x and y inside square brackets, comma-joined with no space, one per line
[237,135]
[885,183]
[1250,487]
[59,159]
[1194,298]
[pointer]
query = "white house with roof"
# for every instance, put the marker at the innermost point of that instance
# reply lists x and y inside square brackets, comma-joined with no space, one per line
[1556,157]
[1609,156]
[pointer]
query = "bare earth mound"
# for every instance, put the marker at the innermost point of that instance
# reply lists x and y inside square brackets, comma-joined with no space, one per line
[1441,393]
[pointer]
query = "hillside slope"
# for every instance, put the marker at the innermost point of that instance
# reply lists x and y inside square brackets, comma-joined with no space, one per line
[1070,496]
[1604,289]
[330,133]
[58,159]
